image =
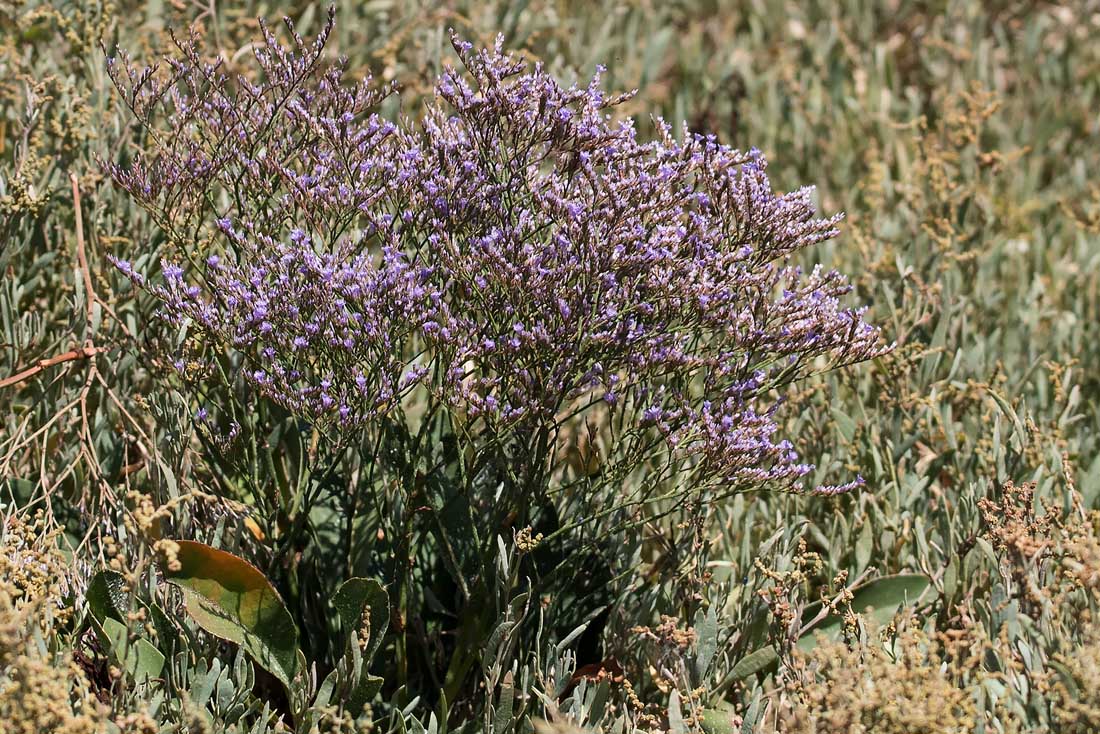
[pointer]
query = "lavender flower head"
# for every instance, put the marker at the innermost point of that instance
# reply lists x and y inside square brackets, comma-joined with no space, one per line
[517,255]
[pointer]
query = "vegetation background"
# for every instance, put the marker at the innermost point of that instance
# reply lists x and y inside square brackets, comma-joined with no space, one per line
[962,139]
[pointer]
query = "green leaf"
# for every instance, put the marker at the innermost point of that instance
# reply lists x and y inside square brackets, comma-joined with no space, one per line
[883,597]
[675,716]
[864,545]
[203,681]
[167,631]
[360,696]
[229,598]
[754,662]
[109,604]
[752,717]
[502,717]
[139,658]
[950,580]
[719,721]
[356,599]
[1066,676]
[706,632]
[19,491]
[844,424]
[324,692]
[107,598]
[497,637]
[356,595]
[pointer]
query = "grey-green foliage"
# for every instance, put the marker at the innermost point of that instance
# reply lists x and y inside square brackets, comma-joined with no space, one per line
[961,139]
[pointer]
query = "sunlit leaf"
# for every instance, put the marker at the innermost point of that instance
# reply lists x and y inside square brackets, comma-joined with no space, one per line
[878,600]
[720,720]
[229,598]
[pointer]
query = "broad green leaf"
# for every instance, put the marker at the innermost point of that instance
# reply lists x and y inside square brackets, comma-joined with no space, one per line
[360,696]
[882,597]
[719,721]
[360,600]
[139,658]
[356,595]
[229,598]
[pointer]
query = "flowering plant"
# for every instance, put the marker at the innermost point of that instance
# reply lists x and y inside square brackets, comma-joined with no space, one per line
[514,255]
[512,305]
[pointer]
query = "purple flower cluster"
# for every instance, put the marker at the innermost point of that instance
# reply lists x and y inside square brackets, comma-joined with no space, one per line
[517,254]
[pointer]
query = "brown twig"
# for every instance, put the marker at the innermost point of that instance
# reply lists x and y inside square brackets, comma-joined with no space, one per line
[42,364]
[87,448]
[90,299]
[89,348]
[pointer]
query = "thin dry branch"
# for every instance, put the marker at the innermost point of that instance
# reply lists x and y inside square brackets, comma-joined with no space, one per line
[43,364]
[90,298]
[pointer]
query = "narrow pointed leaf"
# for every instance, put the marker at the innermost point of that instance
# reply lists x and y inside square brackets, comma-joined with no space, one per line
[754,662]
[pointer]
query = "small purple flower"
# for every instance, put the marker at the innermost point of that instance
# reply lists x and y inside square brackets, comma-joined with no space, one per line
[519,254]
[172,272]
